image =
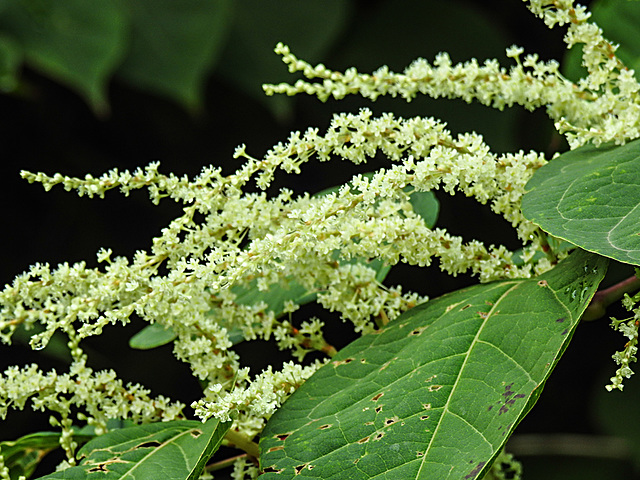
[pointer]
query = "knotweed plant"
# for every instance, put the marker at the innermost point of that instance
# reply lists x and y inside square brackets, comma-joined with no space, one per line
[237,266]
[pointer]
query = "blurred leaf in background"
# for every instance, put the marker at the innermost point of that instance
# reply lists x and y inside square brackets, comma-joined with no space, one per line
[310,28]
[73,42]
[173,45]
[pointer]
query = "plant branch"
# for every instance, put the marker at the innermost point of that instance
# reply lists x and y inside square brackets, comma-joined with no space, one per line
[241,441]
[227,462]
[546,248]
[603,298]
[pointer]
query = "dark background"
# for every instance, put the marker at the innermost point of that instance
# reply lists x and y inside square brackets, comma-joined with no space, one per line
[49,127]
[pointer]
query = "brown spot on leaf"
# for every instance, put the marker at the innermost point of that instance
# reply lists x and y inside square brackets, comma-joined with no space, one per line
[424,417]
[484,315]
[418,331]
[435,388]
[324,427]
[378,436]
[391,421]
[274,449]
[383,367]
[426,406]
[474,473]
[152,444]
[543,283]
[507,391]
[100,468]
[378,409]
[560,320]
[364,440]
[343,362]
[377,397]
[299,468]
[272,470]
[283,436]
[104,466]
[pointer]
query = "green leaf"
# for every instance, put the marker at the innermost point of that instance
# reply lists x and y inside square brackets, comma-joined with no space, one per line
[620,21]
[275,297]
[152,336]
[76,42]
[310,28]
[23,455]
[427,206]
[437,392]
[177,450]
[174,45]
[590,197]
[11,56]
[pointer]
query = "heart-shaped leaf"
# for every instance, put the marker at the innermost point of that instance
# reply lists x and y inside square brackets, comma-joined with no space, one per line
[590,197]
[437,392]
[177,450]
[174,45]
[310,28]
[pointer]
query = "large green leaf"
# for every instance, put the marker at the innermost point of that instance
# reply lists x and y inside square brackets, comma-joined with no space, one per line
[78,43]
[177,450]
[174,45]
[437,392]
[590,197]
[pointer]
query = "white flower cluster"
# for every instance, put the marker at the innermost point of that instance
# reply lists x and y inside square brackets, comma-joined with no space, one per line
[629,328]
[602,107]
[249,403]
[96,396]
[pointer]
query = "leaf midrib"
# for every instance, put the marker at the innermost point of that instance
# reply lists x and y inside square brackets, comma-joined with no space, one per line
[459,376]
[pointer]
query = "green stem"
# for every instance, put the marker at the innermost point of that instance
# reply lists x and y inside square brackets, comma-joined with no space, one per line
[227,462]
[603,298]
[242,442]
[546,248]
